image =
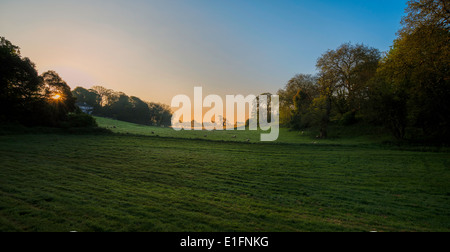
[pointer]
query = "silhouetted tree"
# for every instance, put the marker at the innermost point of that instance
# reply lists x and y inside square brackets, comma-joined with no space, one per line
[160,114]
[58,94]
[19,85]
[140,111]
[89,97]
[118,105]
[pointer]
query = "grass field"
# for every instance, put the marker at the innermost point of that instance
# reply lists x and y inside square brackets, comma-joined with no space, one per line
[142,182]
[341,136]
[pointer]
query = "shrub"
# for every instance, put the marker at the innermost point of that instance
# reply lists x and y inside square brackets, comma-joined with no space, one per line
[79,120]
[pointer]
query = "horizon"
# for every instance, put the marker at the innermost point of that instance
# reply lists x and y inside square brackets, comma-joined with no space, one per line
[157,50]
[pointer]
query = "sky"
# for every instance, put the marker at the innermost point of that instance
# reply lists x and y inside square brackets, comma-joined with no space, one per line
[157,49]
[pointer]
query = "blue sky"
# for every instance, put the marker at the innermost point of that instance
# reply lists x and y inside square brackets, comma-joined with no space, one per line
[156,49]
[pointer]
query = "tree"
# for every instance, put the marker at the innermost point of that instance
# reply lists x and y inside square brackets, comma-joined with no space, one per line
[141,111]
[160,114]
[89,97]
[122,109]
[387,105]
[55,88]
[343,79]
[19,85]
[426,12]
[118,105]
[346,71]
[106,96]
[416,72]
[304,82]
[59,95]
[30,99]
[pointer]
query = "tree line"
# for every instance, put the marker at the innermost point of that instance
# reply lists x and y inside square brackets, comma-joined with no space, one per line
[406,90]
[117,105]
[31,99]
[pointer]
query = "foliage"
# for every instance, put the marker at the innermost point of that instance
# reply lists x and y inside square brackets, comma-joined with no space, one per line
[301,82]
[80,120]
[59,97]
[160,114]
[87,97]
[19,85]
[302,102]
[117,105]
[343,79]
[26,97]
[415,75]
[406,91]
[426,12]
[341,88]
[345,72]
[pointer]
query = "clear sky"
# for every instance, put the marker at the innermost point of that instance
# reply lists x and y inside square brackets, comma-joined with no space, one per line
[156,49]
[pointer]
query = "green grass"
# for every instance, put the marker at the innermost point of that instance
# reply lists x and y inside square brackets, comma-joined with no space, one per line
[338,135]
[58,182]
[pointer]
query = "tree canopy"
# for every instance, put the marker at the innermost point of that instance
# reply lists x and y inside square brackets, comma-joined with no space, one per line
[406,90]
[19,84]
[415,73]
[424,13]
[117,105]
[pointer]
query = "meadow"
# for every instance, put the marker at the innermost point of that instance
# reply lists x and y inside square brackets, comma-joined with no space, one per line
[339,135]
[154,179]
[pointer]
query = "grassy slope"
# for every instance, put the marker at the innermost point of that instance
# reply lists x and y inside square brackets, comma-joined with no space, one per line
[340,136]
[139,183]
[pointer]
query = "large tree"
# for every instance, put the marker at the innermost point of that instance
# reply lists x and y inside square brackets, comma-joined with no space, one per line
[424,13]
[416,70]
[343,79]
[89,97]
[58,94]
[345,72]
[305,82]
[19,84]
[106,96]
[160,114]
[141,111]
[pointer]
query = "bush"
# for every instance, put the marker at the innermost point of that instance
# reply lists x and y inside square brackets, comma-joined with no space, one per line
[79,120]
